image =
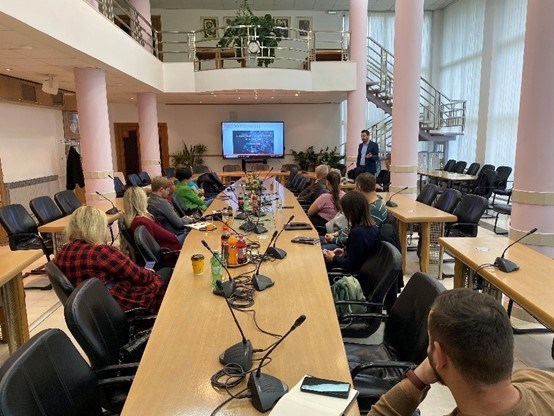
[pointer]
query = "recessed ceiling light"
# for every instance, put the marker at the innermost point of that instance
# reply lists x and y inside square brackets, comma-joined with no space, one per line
[238,98]
[200,101]
[9,69]
[132,98]
[119,85]
[296,95]
[272,98]
[332,12]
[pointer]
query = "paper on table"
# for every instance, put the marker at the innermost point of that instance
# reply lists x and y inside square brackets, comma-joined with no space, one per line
[299,403]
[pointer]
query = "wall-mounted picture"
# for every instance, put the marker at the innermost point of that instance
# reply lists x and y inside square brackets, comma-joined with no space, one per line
[283,22]
[71,125]
[304,25]
[228,20]
[209,25]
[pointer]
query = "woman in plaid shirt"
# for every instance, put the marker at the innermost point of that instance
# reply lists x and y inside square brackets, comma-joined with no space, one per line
[87,255]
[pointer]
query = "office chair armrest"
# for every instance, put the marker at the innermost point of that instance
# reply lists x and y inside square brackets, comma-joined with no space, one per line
[106,371]
[115,381]
[166,252]
[357,302]
[380,364]
[367,315]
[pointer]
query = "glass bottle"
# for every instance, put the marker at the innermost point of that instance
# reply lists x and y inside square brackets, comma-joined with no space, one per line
[241,250]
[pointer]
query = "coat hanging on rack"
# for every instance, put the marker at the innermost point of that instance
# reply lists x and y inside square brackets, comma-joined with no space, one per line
[74,170]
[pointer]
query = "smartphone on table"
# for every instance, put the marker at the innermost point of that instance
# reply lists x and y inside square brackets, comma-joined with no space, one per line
[325,387]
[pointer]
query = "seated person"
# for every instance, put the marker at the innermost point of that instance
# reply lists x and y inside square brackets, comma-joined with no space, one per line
[310,194]
[383,178]
[361,239]
[365,183]
[186,194]
[134,205]
[326,206]
[87,255]
[162,210]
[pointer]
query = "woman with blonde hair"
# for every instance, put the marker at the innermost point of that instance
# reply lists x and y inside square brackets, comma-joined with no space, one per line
[87,255]
[135,206]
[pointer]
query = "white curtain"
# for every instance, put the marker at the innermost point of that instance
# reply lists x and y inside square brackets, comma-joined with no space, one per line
[460,69]
[505,85]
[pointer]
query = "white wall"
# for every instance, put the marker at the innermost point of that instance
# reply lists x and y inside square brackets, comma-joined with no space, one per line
[305,125]
[31,142]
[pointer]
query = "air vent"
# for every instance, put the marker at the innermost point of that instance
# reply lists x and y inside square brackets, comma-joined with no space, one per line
[28,92]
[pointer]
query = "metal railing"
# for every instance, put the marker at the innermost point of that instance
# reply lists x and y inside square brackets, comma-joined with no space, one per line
[295,48]
[381,133]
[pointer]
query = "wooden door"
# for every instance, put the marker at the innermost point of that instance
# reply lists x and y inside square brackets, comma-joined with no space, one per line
[127,143]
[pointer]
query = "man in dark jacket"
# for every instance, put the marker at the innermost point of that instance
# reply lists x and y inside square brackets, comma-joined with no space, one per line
[368,155]
[310,194]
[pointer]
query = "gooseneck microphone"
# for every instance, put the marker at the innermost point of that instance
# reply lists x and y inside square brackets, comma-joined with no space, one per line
[240,353]
[228,287]
[263,282]
[276,252]
[394,204]
[113,210]
[505,265]
[266,389]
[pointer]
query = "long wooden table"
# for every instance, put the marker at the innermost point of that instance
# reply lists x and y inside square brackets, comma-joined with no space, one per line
[531,287]
[57,227]
[194,327]
[449,177]
[409,211]
[13,295]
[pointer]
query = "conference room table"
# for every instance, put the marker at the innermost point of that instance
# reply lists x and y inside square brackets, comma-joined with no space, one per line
[13,295]
[57,227]
[194,326]
[431,220]
[227,176]
[449,177]
[531,287]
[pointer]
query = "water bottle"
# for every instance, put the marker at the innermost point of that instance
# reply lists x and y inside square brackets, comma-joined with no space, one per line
[216,269]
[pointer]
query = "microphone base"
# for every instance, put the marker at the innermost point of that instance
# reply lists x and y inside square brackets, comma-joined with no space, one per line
[277,253]
[391,204]
[262,282]
[248,226]
[505,265]
[266,390]
[260,229]
[240,354]
[241,216]
[112,211]
[228,289]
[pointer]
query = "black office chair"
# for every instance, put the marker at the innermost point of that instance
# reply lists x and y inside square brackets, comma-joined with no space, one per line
[257,167]
[45,209]
[502,175]
[473,169]
[448,200]
[134,180]
[67,201]
[486,183]
[298,177]
[47,376]
[201,169]
[292,175]
[23,234]
[168,172]
[341,167]
[119,187]
[130,241]
[287,167]
[449,165]
[150,250]
[377,368]
[503,208]
[232,168]
[428,194]
[377,276]
[459,167]
[469,211]
[144,178]
[61,284]
[302,184]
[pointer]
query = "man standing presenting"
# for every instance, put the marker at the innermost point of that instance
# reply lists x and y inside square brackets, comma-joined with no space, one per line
[471,351]
[368,155]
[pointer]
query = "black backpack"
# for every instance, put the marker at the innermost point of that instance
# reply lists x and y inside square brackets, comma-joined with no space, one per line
[210,183]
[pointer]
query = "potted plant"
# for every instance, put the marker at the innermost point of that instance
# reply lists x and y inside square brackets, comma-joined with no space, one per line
[329,157]
[306,159]
[189,155]
[242,38]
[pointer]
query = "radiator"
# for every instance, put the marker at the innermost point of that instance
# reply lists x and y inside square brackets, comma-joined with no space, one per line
[21,192]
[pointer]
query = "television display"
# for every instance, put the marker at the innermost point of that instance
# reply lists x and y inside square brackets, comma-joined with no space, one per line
[254,139]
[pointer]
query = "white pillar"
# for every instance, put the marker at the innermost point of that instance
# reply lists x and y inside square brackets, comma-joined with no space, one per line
[148,132]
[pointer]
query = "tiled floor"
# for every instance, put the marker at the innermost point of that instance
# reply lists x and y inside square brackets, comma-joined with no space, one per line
[45,311]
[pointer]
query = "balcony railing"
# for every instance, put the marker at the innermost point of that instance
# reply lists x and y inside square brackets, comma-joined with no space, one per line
[296,49]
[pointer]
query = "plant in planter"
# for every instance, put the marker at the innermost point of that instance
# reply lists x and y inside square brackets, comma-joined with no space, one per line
[329,157]
[243,40]
[189,155]
[305,158]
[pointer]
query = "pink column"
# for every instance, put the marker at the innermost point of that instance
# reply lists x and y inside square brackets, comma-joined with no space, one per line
[143,8]
[94,128]
[405,112]
[356,109]
[149,137]
[533,194]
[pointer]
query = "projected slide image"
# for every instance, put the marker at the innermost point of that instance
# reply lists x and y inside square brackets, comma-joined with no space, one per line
[253,142]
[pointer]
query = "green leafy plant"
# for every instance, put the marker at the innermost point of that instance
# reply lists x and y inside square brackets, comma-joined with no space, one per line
[309,158]
[238,37]
[189,155]
[329,157]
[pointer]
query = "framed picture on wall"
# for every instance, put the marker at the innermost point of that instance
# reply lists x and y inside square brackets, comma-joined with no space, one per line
[228,20]
[210,25]
[304,25]
[283,22]
[71,125]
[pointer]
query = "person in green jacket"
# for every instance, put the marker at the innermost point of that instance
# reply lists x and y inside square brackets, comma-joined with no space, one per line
[185,192]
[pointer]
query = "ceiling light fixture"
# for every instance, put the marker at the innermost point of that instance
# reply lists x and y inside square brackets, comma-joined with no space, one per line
[332,12]
[50,86]
[9,69]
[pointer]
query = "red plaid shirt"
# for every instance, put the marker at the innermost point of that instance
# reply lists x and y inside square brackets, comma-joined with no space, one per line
[134,286]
